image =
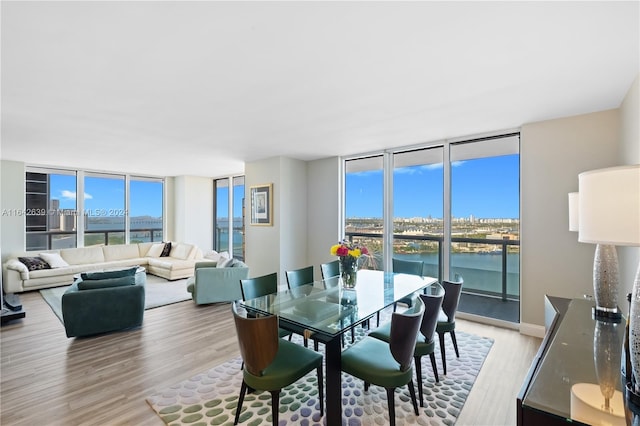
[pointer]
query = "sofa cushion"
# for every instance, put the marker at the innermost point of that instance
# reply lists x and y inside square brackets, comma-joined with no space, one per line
[155,250]
[34,263]
[166,250]
[106,283]
[84,255]
[120,252]
[182,251]
[169,263]
[90,276]
[54,260]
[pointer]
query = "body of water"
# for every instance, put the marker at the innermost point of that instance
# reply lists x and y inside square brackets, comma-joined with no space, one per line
[481,272]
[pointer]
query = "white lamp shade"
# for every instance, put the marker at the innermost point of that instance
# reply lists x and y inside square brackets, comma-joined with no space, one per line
[573,212]
[609,205]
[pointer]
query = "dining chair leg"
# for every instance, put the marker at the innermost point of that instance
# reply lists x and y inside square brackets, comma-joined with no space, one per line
[392,406]
[243,390]
[366,386]
[353,336]
[275,406]
[444,359]
[412,392]
[418,362]
[320,389]
[455,342]
[434,367]
[315,345]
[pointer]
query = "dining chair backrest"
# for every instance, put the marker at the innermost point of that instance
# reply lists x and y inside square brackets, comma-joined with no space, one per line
[330,269]
[258,340]
[298,277]
[430,318]
[452,290]
[403,334]
[259,286]
[413,267]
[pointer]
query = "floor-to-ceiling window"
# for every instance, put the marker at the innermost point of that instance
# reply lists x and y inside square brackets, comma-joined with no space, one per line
[145,210]
[418,225]
[364,189]
[104,209]
[485,225]
[454,205]
[228,235]
[111,209]
[51,209]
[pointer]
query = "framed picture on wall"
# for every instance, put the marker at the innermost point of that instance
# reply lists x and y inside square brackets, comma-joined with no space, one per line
[262,204]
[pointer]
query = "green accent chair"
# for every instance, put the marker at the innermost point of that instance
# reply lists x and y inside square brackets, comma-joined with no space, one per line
[261,286]
[412,267]
[211,284]
[388,364]
[104,304]
[299,277]
[447,320]
[271,363]
[425,344]
[330,269]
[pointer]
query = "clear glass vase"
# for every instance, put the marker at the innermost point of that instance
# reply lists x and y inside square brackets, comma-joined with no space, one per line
[349,271]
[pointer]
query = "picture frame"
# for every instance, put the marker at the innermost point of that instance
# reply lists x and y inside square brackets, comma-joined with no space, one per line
[261,205]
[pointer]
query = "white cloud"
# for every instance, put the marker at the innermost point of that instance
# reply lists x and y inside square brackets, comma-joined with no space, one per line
[71,195]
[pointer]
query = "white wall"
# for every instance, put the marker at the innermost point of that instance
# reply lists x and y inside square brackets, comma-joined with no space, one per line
[292,205]
[552,154]
[263,242]
[12,201]
[323,209]
[193,210]
[629,257]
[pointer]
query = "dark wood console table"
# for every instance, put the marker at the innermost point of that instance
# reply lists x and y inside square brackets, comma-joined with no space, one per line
[568,356]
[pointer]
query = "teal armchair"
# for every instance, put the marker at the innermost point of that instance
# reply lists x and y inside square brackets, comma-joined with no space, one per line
[211,284]
[102,306]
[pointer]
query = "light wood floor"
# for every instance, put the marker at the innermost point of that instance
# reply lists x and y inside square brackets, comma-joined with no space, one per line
[48,379]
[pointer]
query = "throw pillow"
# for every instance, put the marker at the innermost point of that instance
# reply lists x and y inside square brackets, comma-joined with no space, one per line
[166,251]
[224,262]
[212,255]
[54,260]
[34,263]
[155,250]
[106,283]
[89,276]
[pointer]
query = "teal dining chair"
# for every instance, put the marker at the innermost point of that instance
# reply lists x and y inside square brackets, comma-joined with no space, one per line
[330,269]
[425,343]
[388,364]
[412,267]
[261,286]
[299,277]
[270,363]
[447,320]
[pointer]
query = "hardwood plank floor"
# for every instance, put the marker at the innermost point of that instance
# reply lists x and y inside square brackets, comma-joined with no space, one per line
[48,379]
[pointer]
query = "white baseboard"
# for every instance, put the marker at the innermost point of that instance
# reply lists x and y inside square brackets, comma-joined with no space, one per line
[532,330]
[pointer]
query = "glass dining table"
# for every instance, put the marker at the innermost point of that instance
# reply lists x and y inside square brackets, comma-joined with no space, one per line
[325,310]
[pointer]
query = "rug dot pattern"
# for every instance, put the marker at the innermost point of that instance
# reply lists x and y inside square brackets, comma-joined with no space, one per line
[210,398]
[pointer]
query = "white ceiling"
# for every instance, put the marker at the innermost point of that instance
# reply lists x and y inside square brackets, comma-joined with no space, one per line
[199,88]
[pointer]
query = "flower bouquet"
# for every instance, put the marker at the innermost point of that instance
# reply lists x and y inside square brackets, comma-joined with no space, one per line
[348,254]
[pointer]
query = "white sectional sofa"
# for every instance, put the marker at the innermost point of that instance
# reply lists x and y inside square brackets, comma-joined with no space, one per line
[16,276]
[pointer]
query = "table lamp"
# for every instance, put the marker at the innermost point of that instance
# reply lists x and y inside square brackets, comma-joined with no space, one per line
[609,216]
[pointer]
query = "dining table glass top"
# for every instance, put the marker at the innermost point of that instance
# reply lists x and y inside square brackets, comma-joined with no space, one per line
[329,308]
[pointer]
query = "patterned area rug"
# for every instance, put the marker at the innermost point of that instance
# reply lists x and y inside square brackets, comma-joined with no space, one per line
[158,292]
[210,398]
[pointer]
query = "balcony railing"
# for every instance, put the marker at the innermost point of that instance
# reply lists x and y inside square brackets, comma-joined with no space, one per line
[48,240]
[499,247]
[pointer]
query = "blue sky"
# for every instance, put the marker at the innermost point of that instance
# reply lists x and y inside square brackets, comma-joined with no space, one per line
[108,195]
[484,188]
